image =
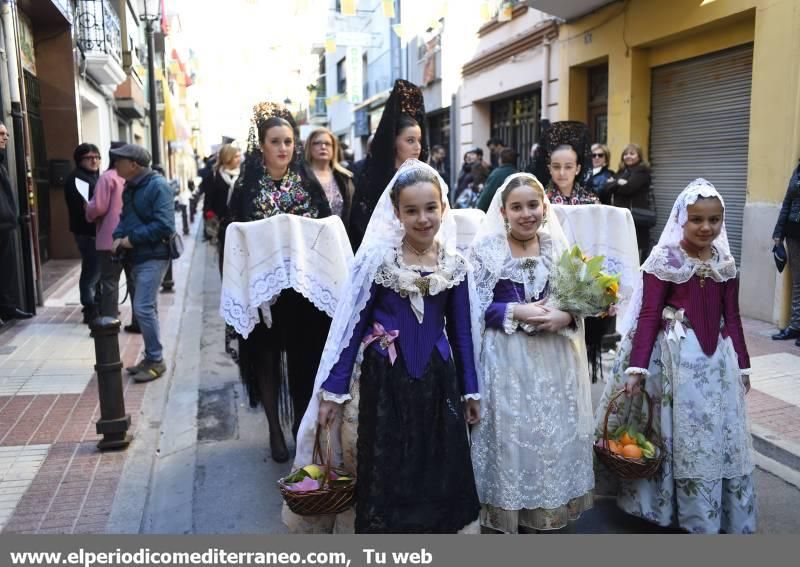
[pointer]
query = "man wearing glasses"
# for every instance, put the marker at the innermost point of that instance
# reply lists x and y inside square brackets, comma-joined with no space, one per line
[78,190]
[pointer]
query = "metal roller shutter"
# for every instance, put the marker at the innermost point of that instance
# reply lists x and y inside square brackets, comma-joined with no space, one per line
[700,124]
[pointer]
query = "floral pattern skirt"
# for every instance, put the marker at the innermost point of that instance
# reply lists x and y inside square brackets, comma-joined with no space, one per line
[532,467]
[705,484]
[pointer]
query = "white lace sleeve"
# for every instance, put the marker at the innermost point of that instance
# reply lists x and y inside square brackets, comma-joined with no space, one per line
[745,371]
[510,324]
[336,398]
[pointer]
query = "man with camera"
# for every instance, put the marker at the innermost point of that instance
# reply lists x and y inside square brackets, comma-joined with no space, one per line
[146,224]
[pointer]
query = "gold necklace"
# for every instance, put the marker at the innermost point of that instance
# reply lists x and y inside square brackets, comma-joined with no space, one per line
[524,243]
[419,254]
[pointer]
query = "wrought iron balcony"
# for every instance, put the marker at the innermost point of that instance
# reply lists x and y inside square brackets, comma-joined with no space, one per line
[99,28]
[100,41]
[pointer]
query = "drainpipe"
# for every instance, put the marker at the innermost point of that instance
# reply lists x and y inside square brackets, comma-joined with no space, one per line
[545,114]
[28,239]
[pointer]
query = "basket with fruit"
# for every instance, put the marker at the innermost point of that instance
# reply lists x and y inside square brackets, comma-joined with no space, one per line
[318,489]
[627,452]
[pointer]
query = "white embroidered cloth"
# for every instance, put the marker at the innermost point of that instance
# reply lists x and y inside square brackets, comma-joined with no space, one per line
[606,231]
[467,223]
[262,258]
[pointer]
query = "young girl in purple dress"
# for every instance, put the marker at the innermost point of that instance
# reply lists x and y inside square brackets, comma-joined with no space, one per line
[406,308]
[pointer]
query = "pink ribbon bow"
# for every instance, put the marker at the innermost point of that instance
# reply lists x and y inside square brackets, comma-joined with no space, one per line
[386,338]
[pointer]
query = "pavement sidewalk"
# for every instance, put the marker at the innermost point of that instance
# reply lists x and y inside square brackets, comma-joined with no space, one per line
[53,479]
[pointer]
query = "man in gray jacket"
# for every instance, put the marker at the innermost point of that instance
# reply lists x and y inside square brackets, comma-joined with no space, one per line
[142,237]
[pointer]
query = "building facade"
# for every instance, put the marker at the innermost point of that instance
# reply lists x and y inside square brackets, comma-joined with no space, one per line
[711,94]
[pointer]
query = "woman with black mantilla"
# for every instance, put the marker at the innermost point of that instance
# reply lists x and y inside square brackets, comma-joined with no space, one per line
[275,181]
[400,136]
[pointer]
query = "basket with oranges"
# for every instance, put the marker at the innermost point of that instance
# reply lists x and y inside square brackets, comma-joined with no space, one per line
[627,452]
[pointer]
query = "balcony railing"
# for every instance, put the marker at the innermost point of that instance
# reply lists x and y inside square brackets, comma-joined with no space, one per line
[99,28]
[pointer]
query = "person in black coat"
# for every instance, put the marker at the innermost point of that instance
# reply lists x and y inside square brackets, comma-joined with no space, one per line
[787,229]
[9,221]
[78,191]
[631,189]
[600,175]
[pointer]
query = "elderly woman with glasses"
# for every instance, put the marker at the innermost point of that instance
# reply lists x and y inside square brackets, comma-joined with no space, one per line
[600,174]
[322,158]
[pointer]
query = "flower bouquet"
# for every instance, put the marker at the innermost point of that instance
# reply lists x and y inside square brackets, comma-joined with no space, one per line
[579,286]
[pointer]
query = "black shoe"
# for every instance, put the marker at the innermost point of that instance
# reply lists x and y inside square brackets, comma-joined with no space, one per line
[132,329]
[277,446]
[786,334]
[17,314]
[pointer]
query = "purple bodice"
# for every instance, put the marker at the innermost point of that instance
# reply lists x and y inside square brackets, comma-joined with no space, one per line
[712,309]
[505,292]
[448,310]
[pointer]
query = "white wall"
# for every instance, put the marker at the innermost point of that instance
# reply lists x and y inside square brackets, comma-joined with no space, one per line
[97,119]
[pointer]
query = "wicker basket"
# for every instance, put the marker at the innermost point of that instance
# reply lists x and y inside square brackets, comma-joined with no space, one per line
[623,467]
[329,498]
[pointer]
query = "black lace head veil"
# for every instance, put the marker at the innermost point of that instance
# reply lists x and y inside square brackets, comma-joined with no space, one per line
[405,101]
[567,132]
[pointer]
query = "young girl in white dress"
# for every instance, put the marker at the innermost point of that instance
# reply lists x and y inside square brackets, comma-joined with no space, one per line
[532,449]
[683,342]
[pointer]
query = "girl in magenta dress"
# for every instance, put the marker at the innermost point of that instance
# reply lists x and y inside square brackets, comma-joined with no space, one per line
[685,346]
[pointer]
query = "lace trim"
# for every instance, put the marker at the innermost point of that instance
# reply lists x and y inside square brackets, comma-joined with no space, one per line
[242,315]
[746,371]
[636,370]
[336,398]
[673,264]
[466,397]
[510,325]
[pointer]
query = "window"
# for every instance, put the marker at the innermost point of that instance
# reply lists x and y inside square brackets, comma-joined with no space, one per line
[341,77]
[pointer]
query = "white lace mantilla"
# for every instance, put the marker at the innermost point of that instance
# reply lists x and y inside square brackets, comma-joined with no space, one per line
[407,280]
[263,258]
[673,264]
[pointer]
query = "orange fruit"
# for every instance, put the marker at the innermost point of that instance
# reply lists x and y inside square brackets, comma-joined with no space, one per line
[632,451]
[627,439]
[614,447]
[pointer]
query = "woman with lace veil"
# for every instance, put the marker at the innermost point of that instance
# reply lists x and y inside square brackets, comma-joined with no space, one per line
[400,136]
[403,324]
[274,181]
[532,449]
[683,343]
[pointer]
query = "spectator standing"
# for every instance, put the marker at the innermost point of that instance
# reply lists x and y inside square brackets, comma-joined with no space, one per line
[631,189]
[78,191]
[146,224]
[9,222]
[465,174]
[468,198]
[600,175]
[439,162]
[495,145]
[104,209]
[787,229]
[507,166]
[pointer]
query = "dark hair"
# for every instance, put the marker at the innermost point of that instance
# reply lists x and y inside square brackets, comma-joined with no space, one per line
[404,121]
[436,148]
[494,142]
[467,153]
[566,147]
[516,183]
[479,173]
[82,150]
[271,122]
[411,177]
[508,155]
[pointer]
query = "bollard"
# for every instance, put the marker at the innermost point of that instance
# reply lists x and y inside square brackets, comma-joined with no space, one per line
[114,422]
[167,283]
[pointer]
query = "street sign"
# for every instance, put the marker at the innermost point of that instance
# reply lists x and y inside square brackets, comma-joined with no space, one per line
[354,67]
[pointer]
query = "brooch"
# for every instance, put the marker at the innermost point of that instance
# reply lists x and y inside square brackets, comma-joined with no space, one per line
[423,285]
